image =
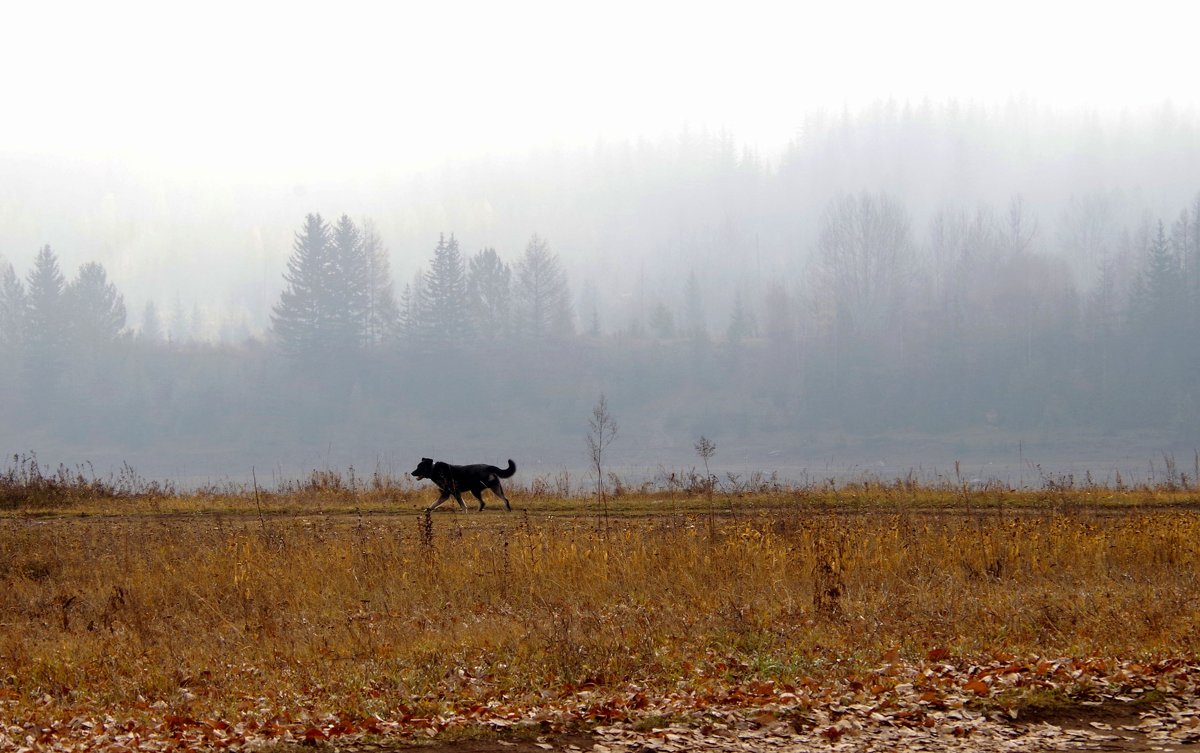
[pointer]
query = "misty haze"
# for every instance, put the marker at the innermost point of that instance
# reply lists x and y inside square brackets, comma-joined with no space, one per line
[356,237]
[894,290]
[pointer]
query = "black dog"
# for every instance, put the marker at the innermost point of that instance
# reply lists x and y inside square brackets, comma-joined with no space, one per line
[453,480]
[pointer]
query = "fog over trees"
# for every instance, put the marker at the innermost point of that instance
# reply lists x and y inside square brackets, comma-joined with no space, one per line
[899,287]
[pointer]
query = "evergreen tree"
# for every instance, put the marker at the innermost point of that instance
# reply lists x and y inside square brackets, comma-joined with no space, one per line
[13,311]
[741,321]
[412,316]
[178,332]
[1185,238]
[96,309]
[46,325]
[151,330]
[489,289]
[301,321]
[338,294]
[1156,301]
[1182,241]
[662,322]
[543,298]
[446,294]
[348,305]
[198,324]
[383,315]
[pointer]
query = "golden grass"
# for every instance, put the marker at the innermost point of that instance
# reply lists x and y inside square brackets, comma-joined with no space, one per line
[210,605]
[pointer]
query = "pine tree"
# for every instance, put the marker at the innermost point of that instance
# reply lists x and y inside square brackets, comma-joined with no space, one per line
[1185,238]
[383,315]
[13,311]
[446,294]
[349,285]
[96,309]
[151,330]
[543,298]
[338,295]
[301,320]
[489,290]
[179,331]
[412,310]
[741,321]
[46,325]
[1157,297]
[662,322]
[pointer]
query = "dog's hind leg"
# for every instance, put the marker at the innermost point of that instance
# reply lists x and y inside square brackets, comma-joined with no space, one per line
[461,505]
[498,490]
[479,497]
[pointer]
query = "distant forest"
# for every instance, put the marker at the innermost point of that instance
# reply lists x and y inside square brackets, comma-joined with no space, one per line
[902,314]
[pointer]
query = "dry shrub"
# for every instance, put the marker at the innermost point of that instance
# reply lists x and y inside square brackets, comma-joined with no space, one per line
[362,614]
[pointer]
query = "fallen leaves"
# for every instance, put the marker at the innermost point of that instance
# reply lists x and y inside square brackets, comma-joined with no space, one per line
[935,704]
[908,718]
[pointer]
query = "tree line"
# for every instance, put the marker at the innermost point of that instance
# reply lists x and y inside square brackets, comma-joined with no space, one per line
[49,324]
[339,295]
[972,322]
[968,321]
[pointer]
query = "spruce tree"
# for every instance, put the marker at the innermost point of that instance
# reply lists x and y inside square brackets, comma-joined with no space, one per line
[46,325]
[741,322]
[1158,293]
[412,314]
[348,303]
[543,298]
[96,310]
[662,322]
[301,320]
[446,294]
[383,315]
[179,331]
[151,330]
[489,290]
[13,311]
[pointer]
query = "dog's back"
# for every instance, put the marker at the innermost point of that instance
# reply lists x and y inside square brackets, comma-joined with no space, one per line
[482,473]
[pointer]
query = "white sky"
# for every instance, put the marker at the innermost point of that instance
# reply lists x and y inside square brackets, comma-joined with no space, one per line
[260,88]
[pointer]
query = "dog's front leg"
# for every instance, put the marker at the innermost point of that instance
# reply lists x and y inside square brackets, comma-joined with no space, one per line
[445,496]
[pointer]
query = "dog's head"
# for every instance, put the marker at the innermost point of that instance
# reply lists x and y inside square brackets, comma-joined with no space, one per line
[424,469]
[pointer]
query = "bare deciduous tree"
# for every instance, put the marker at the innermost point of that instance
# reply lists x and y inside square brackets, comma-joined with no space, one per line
[706,448]
[865,249]
[603,429]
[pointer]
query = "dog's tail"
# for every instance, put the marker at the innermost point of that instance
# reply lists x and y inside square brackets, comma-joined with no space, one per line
[506,472]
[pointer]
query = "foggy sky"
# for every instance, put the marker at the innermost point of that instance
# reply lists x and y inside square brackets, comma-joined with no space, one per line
[267,90]
[625,215]
[181,147]
[147,137]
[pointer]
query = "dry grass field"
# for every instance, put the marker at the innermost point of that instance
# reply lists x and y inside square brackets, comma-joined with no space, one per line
[327,611]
